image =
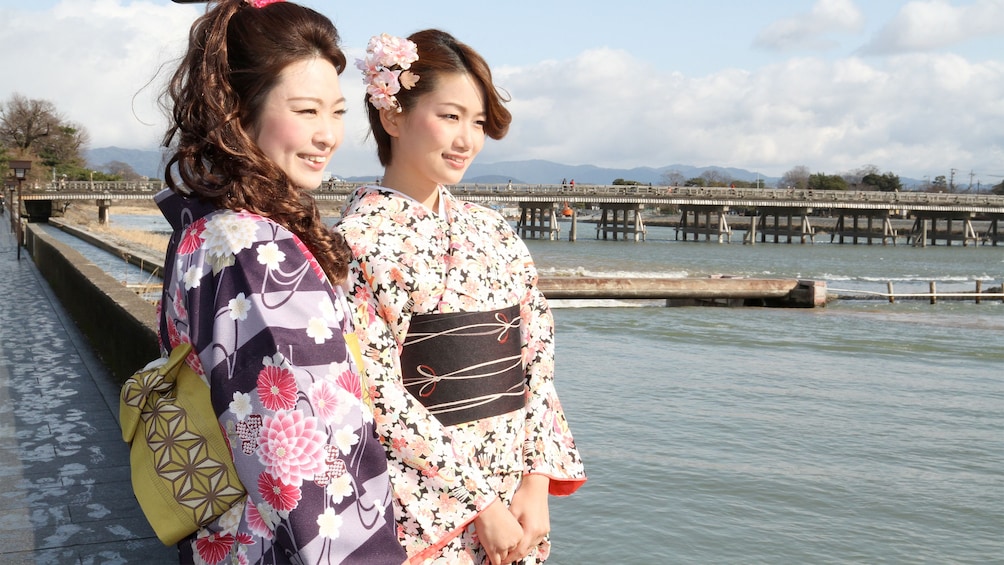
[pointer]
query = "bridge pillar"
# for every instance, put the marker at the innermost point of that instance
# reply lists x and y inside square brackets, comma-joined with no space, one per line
[538,220]
[621,218]
[714,223]
[104,210]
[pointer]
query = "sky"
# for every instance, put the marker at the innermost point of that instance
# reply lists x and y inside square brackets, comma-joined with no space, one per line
[910,87]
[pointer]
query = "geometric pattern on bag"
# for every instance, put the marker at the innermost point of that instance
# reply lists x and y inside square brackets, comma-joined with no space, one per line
[182,469]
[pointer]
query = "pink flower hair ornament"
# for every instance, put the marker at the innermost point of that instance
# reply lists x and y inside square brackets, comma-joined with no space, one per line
[385,69]
[260,3]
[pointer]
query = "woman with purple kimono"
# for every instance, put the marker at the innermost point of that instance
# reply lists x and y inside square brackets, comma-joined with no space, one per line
[253,281]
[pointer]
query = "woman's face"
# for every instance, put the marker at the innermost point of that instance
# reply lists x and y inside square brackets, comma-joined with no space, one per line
[439,137]
[301,122]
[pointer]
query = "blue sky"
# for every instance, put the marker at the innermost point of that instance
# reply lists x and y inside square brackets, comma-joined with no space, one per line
[912,87]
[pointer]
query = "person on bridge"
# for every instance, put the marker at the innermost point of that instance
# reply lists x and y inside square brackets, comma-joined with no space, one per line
[458,340]
[253,281]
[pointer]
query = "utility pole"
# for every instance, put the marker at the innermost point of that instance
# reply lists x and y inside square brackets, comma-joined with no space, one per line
[971,175]
[951,181]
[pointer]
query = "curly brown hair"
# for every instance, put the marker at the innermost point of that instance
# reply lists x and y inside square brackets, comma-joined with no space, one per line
[235,56]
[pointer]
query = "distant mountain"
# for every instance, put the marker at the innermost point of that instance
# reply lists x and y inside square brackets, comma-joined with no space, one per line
[145,163]
[547,172]
[150,164]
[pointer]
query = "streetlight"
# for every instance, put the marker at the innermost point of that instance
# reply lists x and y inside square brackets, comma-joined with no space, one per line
[21,169]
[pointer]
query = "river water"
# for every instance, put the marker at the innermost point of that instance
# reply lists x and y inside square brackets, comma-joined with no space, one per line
[862,432]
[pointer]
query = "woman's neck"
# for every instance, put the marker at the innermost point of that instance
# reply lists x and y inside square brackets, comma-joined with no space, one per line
[424,193]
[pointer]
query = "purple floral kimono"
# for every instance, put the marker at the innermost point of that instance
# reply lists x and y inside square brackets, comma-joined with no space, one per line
[268,329]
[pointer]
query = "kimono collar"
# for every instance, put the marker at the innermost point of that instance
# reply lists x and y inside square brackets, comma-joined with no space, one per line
[180,210]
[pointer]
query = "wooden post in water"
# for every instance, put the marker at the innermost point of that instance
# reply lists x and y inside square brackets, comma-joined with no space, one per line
[934,292]
[572,231]
[892,295]
[979,289]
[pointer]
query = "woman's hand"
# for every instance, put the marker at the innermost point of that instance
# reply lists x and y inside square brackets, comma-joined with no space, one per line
[529,507]
[499,532]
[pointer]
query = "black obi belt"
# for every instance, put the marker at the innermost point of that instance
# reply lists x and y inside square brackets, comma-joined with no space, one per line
[465,366]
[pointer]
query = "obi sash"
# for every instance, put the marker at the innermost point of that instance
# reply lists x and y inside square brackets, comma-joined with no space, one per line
[465,366]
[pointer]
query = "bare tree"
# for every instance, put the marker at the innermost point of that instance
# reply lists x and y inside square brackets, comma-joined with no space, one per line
[714,177]
[797,178]
[673,178]
[34,128]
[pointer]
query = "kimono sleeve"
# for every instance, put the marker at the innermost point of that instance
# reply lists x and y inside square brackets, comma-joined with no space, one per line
[549,448]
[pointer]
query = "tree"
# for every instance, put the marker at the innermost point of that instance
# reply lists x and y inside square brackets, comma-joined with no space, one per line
[797,178]
[822,181]
[884,183]
[714,177]
[35,130]
[940,184]
[696,181]
[125,171]
[854,177]
[673,178]
[999,189]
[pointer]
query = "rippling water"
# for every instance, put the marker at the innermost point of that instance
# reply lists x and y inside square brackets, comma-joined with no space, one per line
[863,432]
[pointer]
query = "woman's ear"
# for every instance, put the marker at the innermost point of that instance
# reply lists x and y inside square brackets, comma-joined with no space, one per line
[389,120]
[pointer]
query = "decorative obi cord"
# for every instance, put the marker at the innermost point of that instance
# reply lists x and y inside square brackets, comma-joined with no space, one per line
[465,366]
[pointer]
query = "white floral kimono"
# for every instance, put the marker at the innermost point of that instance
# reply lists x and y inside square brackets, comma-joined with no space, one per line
[411,262]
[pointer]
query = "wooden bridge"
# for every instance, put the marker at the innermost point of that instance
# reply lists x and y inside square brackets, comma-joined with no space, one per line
[773,214]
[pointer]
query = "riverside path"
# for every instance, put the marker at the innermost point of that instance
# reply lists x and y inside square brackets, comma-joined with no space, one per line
[65,491]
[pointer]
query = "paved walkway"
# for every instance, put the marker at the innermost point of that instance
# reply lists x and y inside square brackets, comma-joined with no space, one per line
[65,493]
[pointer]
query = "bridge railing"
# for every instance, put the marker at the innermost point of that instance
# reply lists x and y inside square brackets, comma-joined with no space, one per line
[558,190]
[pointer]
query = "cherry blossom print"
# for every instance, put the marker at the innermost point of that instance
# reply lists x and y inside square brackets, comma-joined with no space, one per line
[291,447]
[270,255]
[279,495]
[277,388]
[330,524]
[241,405]
[318,330]
[193,277]
[340,488]
[345,438]
[238,307]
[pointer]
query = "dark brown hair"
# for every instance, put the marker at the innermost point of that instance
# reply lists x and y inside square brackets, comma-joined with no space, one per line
[235,56]
[440,53]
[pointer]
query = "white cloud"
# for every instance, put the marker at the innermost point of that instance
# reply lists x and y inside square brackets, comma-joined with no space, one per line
[810,31]
[914,114]
[928,25]
[95,60]
[907,114]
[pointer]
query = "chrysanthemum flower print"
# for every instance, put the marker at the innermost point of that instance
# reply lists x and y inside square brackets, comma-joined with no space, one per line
[192,238]
[281,496]
[277,388]
[350,382]
[214,547]
[228,234]
[324,397]
[291,446]
[262,519]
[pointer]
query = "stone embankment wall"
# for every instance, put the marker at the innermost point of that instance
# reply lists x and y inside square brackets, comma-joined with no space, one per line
[118,323]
